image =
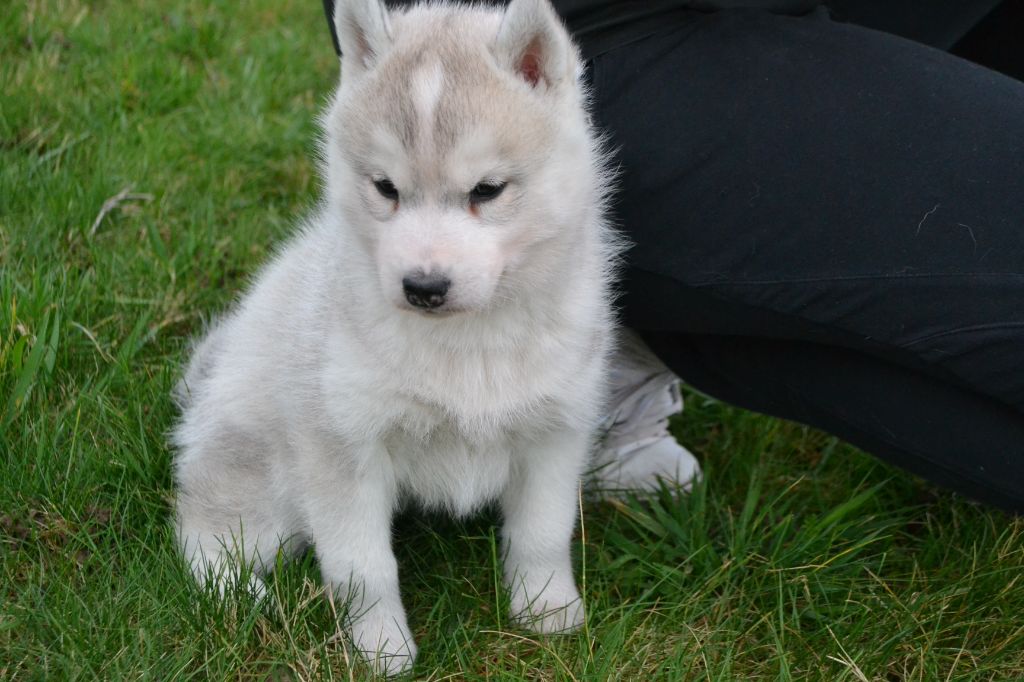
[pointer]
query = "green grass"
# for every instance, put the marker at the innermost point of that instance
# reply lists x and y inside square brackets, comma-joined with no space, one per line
[800,559]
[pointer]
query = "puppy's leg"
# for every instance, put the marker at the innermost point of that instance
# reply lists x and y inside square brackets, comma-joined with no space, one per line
[221,560]
[540,512]
[349,509]
[229,523]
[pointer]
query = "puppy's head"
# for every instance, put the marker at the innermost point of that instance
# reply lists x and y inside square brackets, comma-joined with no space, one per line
[456,148]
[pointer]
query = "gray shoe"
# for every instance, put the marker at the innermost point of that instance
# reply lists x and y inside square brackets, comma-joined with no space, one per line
[637,451]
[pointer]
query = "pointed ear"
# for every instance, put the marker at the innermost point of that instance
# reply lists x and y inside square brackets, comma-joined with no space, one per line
[364,32]
[533,43]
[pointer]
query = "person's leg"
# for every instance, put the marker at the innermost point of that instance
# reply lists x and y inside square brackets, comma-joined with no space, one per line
[802,184]
[957,439]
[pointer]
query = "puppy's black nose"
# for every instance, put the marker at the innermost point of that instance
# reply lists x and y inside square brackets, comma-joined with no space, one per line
[425,291]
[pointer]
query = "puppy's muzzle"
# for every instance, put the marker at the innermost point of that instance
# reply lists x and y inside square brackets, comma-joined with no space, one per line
[425,291]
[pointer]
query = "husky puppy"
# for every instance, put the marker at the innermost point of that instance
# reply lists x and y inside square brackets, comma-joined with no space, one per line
[437,332]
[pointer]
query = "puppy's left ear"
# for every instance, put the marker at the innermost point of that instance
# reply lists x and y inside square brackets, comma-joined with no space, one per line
[533,43]
[364,33]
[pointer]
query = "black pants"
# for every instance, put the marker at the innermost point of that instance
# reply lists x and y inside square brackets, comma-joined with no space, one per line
[828,226]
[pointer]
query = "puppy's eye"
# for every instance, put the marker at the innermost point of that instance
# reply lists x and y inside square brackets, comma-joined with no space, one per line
[386,188]
[486,191]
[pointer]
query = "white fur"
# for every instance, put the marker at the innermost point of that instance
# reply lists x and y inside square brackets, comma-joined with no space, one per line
[428,83]
[325,399]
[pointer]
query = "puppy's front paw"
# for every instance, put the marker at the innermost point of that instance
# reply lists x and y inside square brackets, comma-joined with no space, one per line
[385,642]
[548,609]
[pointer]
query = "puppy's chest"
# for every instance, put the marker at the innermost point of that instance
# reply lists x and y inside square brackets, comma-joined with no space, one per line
[444,468]
[485,393]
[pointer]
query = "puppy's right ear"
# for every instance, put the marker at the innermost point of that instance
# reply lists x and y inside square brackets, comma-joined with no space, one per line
[364,33]
[533,43]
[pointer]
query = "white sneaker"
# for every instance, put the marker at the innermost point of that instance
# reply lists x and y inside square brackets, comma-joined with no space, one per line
[637,451]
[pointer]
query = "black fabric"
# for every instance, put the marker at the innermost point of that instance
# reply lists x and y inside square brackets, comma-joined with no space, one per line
[602,25]
[998,40]
[957,439]
[939,23]
[829,227]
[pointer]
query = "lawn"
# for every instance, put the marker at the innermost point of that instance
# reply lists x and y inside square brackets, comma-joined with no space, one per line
[151,156]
